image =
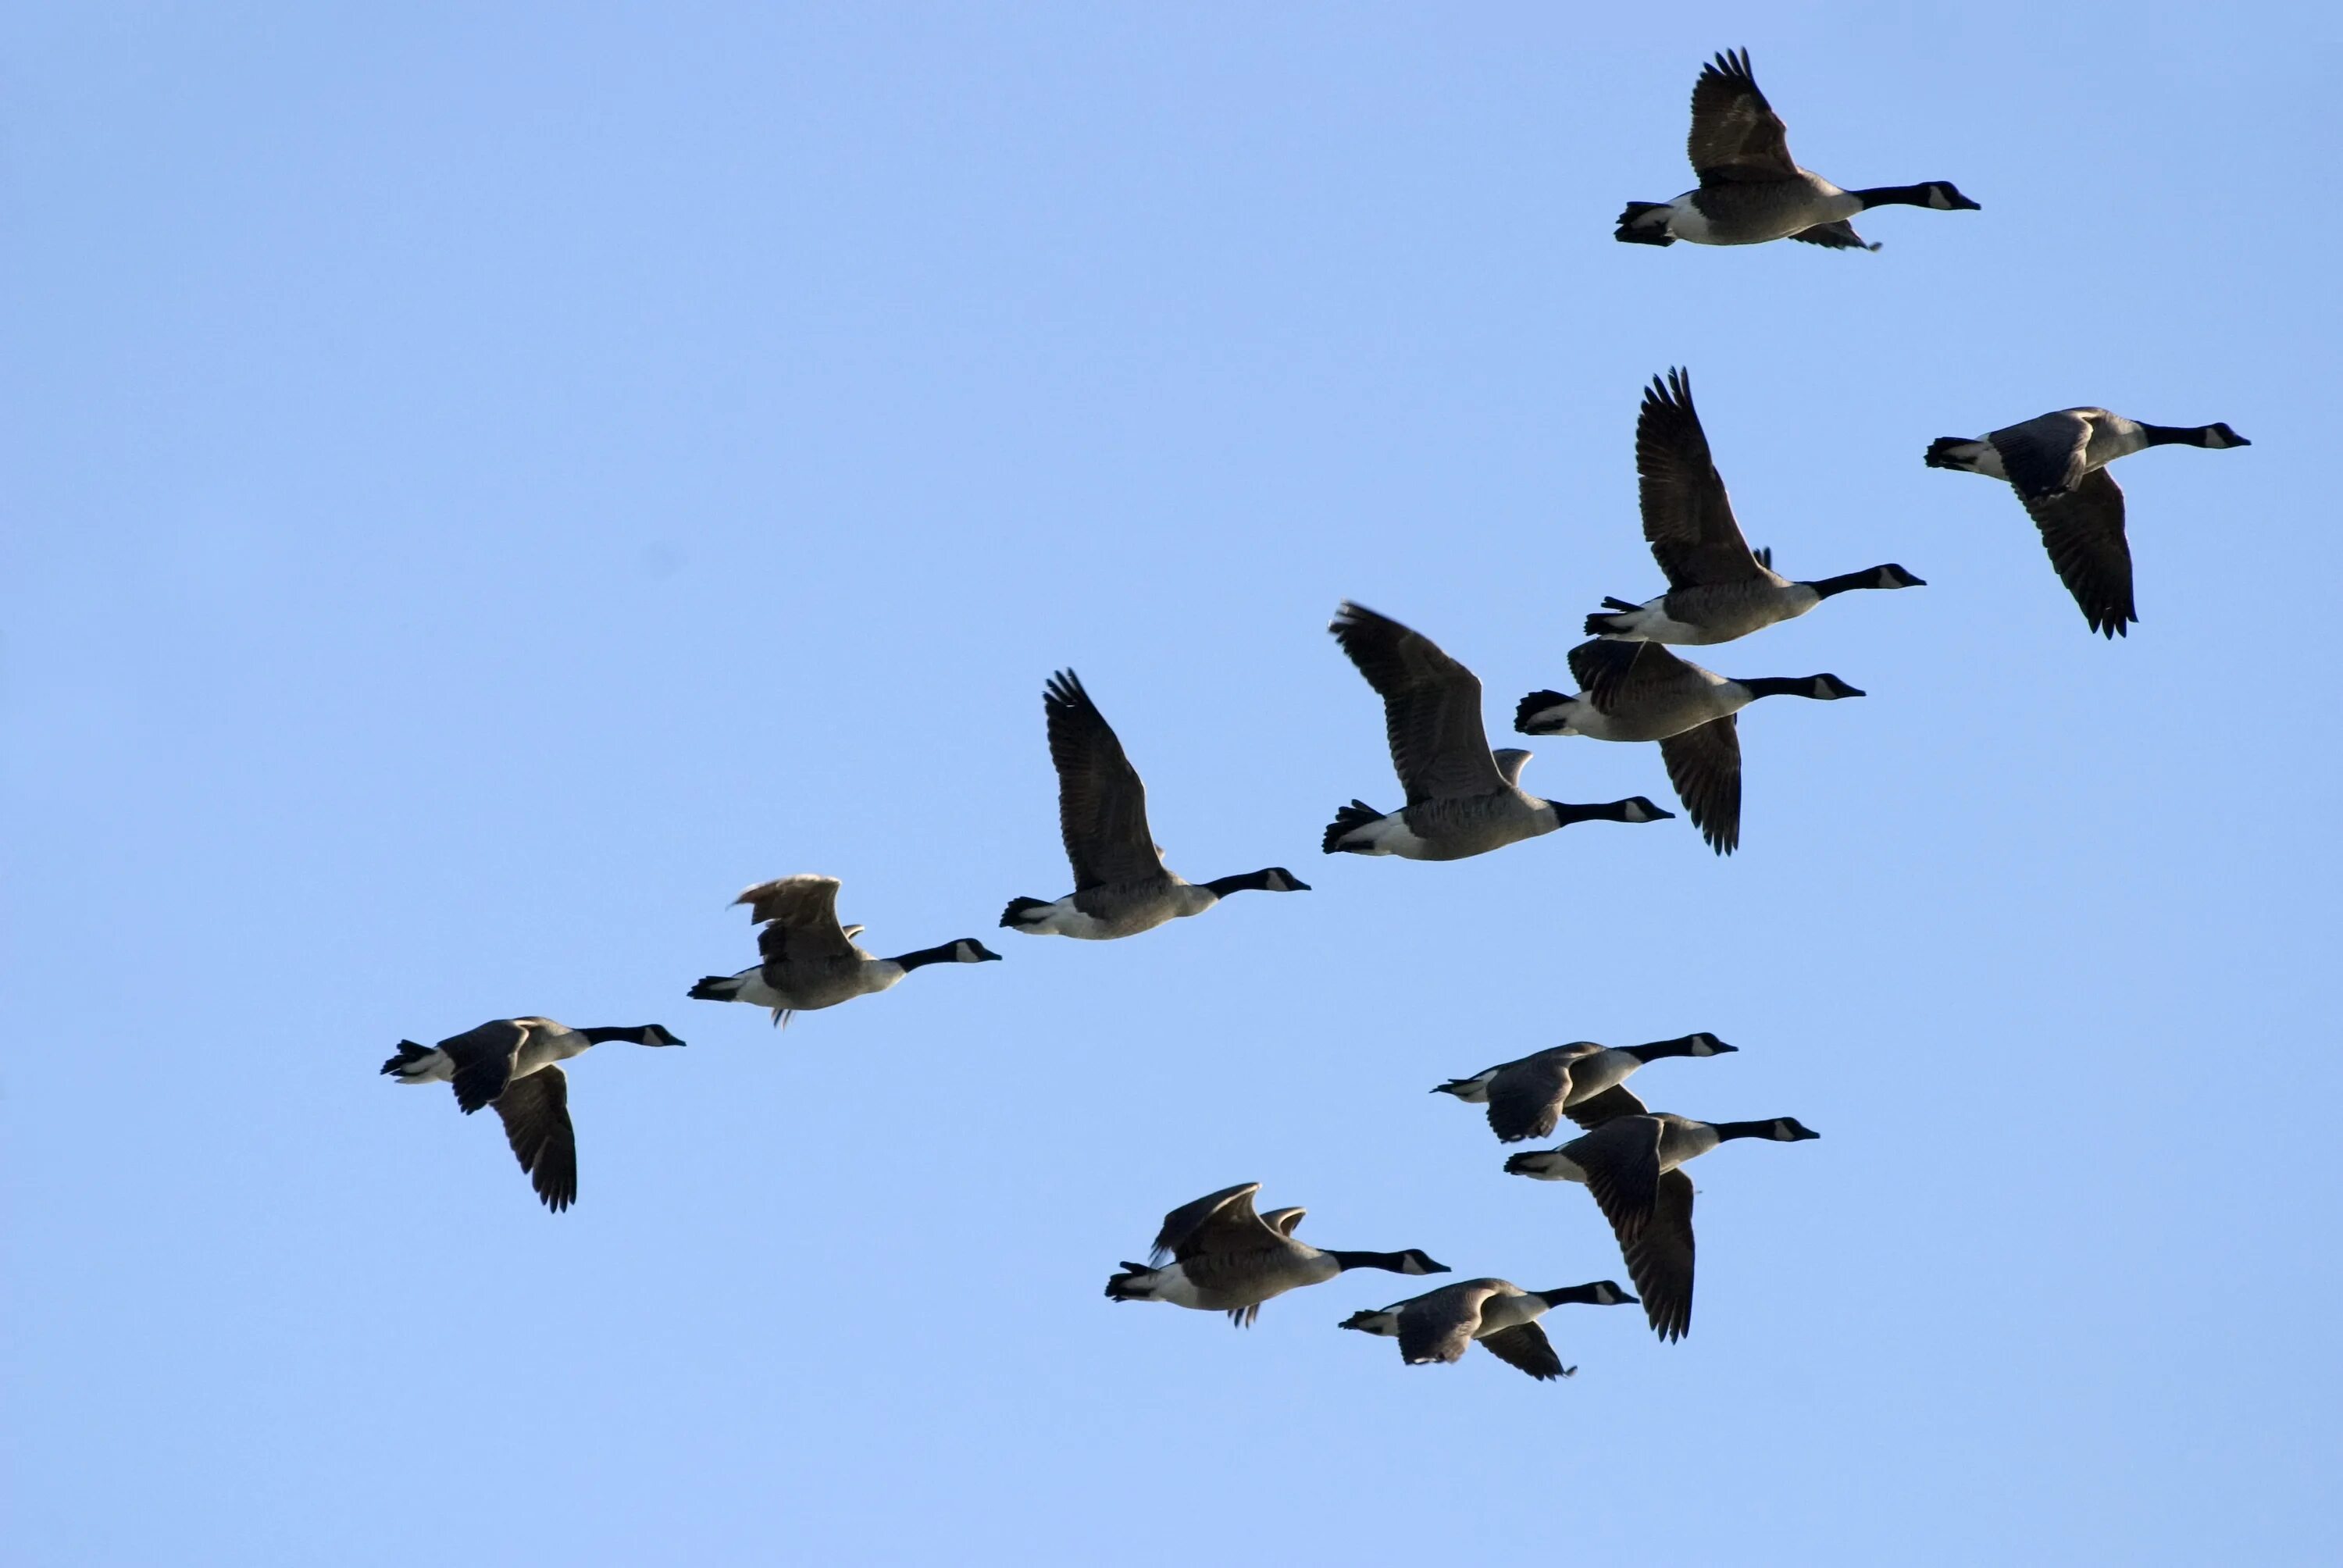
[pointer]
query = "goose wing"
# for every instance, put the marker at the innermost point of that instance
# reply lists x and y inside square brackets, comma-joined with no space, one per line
[483,1059]
[2045,455]
[1439,1325]
[1432,707]
[1659,1260]
[1102,804]
[800,920]
[1736,137]
[536,1112]
[1524,1346]
[1219,1221]
[1705,765]
[1622,1162]
[1608,1106]
[1525,1097]
[1620,674]
[1687,516]
[2082,530]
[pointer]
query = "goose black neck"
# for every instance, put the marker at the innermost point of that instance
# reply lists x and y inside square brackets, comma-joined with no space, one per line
[636,1034]
[1579,1295]
[942,955]
[1259,882]
[1564,813]
[1728,1131]
[1826,587]
[1779,686]
[2176,435]
[1892,195]
[1659,1048]
[1395,1262]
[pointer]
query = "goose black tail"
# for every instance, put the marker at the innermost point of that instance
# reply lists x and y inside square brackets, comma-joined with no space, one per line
[716,988]
[1013,916]
[1534,703]
[1941,450]
[1121,1287]
[410,1053]
[1637,225]
[1348,820]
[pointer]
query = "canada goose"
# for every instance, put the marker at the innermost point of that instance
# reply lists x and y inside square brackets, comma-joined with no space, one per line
[1631,1163]
[1120,884]
[1717,589]
[1526,1098]
[1438,1325]
[1228,1259]
[2058,464]
[1751,189]
[1640,691]
[809,960]
[1462,799]
[509,1063]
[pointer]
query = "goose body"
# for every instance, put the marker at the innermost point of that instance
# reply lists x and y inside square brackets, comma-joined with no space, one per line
[512,1063]
[1218,1255]
[1526,1098]
[1640,691]
[1440,1325]
[1121,886]
[1633,1164]
[1751,189]
[1718,587]
[2058,464]
[1462,799]
[808,960]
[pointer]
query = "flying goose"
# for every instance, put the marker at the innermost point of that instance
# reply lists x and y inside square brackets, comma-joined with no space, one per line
[2058,464]
[1718,589]
[809,960]
[509,1063]
[1640,691]
[1751,189]
[1439,1325]
[1462,799]
[1227,1259]
[1526,1098]
[1631,1165]
[1120,884]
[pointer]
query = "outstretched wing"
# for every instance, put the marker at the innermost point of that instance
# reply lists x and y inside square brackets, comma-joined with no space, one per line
[1687,516]
[1622,1162]
[2046,455]
[483,1059]
[1524,1346]
[1705,765]
[1211,1223]
[1659,1260]
[1736,137]
[1102,804]
[1432,707]
[536,1112]
[800,916]
[2084,532]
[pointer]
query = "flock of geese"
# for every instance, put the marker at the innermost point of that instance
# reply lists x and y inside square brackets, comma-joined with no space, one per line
[1219,1253]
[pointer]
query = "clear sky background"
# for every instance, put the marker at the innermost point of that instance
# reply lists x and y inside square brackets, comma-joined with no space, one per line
[484,486]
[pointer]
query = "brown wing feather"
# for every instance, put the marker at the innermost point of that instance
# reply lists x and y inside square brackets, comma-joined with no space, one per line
[800,916]
[1432,707]
[1438,1325]
[1660,1258]
[1524,1346]
[1616,674]
[1687,516]
[1704,765]
[1608,1106]
[536,1112]
[1622,1161]
[483,1059]
[1737,136]
[2083,530]
[1102,804]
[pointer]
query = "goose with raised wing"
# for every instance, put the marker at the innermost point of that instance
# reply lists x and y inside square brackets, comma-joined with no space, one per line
[1527,1098]
[2058,464]
[1633,1164]
[1218,1255]
[1718,587]
[808,960]
[1121,886]
[1463,798]
[1751,189]
[1441,1325]
[1640,691]
[511,1063]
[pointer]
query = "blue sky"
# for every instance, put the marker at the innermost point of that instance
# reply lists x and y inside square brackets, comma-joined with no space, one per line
[486,485]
